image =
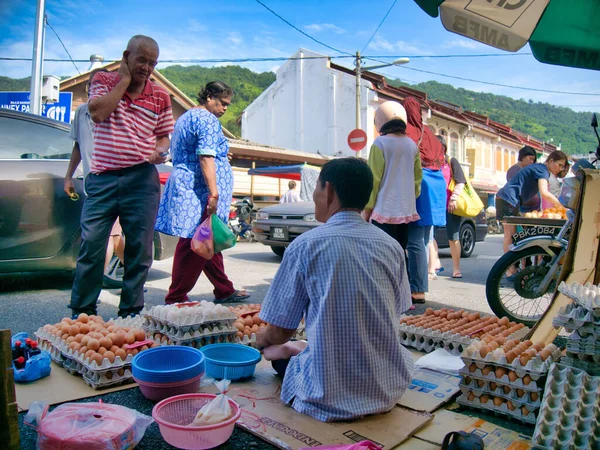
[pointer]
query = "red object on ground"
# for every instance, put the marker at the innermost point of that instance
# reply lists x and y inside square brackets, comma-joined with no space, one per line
[357,140]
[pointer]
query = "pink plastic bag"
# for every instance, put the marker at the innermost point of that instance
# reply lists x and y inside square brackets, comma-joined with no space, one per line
[362,445]
[202,242]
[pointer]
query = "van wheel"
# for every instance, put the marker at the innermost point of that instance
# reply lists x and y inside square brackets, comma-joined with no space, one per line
[279,251]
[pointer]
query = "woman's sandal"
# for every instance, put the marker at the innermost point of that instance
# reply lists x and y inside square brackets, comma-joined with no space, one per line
[432,276]
[457,275]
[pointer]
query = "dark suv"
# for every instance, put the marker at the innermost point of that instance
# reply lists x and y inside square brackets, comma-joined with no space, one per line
[39,223]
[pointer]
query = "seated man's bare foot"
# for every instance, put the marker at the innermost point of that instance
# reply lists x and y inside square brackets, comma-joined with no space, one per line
[284,351]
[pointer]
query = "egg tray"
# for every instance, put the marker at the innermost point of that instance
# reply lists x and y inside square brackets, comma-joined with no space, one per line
[592,369]
[189,320]
[570,411]
[129,322]
[176,333]
[498,410]
[104,382]
[199,341]
[525,400]
[582,303]
[578,314]
[533,386]
[46,345]
[584,357]
[535,367]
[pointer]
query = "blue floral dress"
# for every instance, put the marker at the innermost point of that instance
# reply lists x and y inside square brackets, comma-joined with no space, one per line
[197,133]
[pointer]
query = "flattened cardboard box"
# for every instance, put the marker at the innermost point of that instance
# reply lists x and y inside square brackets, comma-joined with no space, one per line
[288,429]
[429,390]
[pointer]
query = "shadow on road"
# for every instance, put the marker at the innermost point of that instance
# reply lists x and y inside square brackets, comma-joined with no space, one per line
[264,257]
[35,280]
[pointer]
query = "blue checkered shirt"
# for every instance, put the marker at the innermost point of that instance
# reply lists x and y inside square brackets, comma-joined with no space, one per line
[348,279]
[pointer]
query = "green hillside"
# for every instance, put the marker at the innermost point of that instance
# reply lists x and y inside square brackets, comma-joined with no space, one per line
[246,85]
[542,120]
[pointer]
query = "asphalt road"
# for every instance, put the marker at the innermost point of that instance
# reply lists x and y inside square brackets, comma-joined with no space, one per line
[29,301]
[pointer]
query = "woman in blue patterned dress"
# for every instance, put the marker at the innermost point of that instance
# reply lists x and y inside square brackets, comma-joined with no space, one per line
[200,184]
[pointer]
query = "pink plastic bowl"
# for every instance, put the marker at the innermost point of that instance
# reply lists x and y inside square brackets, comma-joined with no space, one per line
[160,391]
[174,415]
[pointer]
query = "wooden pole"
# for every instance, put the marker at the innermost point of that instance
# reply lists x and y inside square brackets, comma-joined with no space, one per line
[252,182]
[9,413]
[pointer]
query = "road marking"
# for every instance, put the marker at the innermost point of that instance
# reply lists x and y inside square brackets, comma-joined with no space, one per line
[488,257]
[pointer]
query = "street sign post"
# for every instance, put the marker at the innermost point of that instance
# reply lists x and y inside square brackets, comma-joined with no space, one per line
[357,140]
[20,101]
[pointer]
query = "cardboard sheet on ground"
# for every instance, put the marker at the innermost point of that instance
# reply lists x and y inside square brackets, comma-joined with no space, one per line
[429,390]
[494,437]
[288,429]
[59,387]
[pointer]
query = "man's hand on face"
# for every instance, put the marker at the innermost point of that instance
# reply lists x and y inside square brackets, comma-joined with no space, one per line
[156,158]
[124,71]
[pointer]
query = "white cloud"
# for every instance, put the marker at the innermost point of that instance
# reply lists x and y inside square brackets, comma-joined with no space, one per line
[379,43]
[235,38]
[324,27]
[464,43]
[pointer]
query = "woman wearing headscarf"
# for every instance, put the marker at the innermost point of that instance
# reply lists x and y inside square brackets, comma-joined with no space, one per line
[396,166]
[431,204]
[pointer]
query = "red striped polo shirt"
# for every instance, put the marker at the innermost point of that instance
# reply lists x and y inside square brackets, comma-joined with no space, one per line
[128,136]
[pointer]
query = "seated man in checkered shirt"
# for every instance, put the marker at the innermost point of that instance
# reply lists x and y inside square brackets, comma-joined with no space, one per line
[348,279]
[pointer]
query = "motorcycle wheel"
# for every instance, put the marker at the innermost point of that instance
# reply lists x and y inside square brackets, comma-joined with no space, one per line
[515,297]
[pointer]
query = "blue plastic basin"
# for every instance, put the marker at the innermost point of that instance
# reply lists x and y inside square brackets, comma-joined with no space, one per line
[168,364]
[230,361]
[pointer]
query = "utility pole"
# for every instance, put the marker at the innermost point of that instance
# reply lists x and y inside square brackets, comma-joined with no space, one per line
[35,94]
[358,75]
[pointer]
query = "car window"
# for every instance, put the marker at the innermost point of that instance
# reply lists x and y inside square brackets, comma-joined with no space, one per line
[22,139]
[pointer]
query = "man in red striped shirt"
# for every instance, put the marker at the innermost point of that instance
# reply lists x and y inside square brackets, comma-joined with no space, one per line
[133,121]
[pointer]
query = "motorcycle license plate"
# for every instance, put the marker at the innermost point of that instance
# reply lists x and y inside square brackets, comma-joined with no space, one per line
[235,222]
[279,233]
[539,230]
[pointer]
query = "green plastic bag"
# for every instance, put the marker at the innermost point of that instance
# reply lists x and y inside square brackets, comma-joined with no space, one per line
[223,237]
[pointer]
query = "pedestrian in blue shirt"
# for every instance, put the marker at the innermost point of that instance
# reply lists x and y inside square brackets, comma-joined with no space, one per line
[524,186]
[348,280]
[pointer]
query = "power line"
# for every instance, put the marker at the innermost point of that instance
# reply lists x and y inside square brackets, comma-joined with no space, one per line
[299,30]
[484,55]
[379,26]
[63,46]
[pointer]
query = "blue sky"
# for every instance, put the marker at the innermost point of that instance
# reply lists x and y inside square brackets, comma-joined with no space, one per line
[236,29]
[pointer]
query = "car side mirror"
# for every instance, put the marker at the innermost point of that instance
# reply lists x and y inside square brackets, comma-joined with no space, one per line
[594,120]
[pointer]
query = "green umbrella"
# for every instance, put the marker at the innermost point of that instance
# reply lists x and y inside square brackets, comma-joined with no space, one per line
[561,32]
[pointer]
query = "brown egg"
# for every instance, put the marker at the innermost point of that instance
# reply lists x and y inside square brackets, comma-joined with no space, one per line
[545,354]
[510,406]
[470,396]
[524,359]
[121,354]
[493,386]
[512,376]
[539,346]
[520,393]
[503,321]
[143,347]
[140,335]
[104,331]
[510,356]
[121,372]
[429,311]
[130,337]
[481,383]
[132,351]
[114,348]
[534,396]
[483,350]
[248,321]
[70,339]
[154,345]
[247,332]
[500,372]
[472,367]
[506,389]
[110,356]
[83,318]
[527,380]
[90,353]
[257,320]
[105,342]
[119,339]
[487,369]
[498,401]
[83,350]
[65,328]
[484,398]
[254,328]
[98,358]
[524,411]
[108,375]
[239,325]
[468,380]
[102,350]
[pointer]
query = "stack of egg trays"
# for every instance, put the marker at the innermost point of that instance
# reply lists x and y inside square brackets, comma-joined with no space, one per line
[534,387]
[188,322]
[98,377]
[185,333]
[46,345]
[427,340]
[199,341]
[498,410]
[570,411]
[574,317]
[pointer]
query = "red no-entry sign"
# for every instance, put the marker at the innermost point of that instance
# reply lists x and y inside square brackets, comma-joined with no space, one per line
[357,140]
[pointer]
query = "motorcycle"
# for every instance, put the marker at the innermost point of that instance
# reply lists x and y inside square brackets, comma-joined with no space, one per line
[521,284]
[495,226]
[240,218]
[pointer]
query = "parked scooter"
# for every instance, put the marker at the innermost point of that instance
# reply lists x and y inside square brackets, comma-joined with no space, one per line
[240,218]
[494,225]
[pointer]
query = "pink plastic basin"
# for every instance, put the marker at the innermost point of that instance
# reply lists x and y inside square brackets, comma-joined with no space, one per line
[160,391]
[174,415]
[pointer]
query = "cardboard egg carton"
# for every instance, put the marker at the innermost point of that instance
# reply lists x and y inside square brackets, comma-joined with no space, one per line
[592,369]
[582,297]
[584,357]
[104,381]
[179,334]
[501,391]
[46,345]
[533,386]
[197,342]
[499,410]
[127,322]
[570,411]
[535,367]
[188,316]
[578,315]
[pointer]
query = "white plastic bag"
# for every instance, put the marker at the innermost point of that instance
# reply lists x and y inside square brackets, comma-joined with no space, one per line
[217,410]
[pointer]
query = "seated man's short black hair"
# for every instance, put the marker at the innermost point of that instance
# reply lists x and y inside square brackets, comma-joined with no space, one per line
[527,151]
[351,179]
